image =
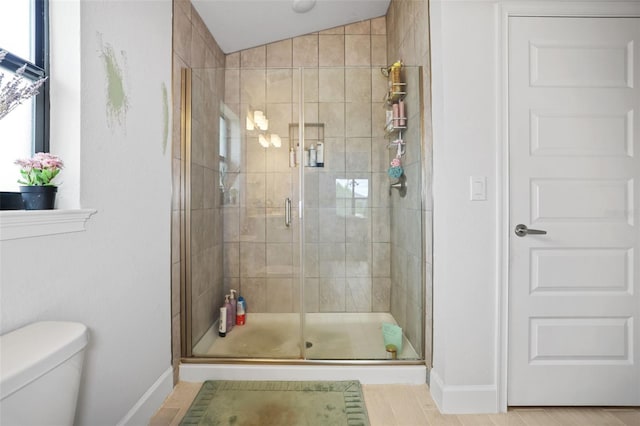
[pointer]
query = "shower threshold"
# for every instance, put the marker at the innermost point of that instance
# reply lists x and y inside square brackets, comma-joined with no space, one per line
[328,336]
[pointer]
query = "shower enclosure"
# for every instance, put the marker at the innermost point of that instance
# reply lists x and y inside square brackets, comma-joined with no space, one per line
[288,199]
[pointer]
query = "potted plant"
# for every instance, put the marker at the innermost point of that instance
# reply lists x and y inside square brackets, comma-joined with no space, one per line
[12,93]
[38,190]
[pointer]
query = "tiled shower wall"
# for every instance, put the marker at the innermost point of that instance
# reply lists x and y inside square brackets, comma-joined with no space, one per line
[347,255]
[408,39]
[194,47]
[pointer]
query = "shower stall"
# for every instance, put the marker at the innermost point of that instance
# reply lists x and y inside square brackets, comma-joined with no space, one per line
[288,198]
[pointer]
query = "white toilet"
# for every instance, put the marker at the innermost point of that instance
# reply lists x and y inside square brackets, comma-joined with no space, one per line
[40,369]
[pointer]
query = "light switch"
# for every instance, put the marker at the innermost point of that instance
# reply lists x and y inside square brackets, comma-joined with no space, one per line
[478,188]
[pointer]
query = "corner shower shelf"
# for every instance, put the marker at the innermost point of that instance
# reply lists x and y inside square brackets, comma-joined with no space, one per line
[390,129]
[396,93]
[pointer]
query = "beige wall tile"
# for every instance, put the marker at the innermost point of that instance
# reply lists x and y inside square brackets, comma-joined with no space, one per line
[280,115]
[232,86]
[358,85]
[381,223]
[253,58]
[255,156]
[332,293]
[279,54]
[381,259]
[362,27]
[332,225]
[311,85]
[253,261]
[332,114]
[182,34]
[277,231]
[279,295]
[358,260]
[253,225]
[279,85]
[358,156]
[358,119]
[311,260]
[197,182]
[231,220]
[254,290]
[330,31]
[379,26]
[279,259]
[358,294]
[331,259]
[331,50]
[379,50]
[231,257]
[331,85]
[305,51]
[311,295]
[357,50]
[232,60]
[358,229]
[334,153]
[278,158]
[253,87]
[198,50]
[278,187]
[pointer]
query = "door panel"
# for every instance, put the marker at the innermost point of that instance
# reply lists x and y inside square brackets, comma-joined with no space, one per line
[574,172]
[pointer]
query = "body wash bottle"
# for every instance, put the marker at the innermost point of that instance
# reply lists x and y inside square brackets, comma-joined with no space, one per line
[241,311]
[232,301]
[227,305]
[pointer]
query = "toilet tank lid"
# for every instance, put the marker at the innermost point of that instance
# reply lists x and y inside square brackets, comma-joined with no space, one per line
[31,351]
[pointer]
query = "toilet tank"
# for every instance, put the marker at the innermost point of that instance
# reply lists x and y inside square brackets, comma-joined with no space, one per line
[40,369]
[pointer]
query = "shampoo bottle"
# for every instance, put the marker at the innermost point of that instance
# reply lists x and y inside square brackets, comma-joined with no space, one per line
[292,157]
[312,156]
[320,154]
[227,305]
[222,326]
[241,313]
[232,301]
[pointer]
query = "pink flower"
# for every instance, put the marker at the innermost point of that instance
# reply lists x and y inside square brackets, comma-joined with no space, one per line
[41,169]
[395,162]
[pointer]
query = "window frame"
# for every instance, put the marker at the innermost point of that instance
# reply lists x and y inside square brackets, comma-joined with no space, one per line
[39,68]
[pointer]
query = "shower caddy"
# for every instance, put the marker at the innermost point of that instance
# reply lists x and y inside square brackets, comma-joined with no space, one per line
[396,120]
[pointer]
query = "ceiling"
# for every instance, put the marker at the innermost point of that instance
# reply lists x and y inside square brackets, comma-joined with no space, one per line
[242,24]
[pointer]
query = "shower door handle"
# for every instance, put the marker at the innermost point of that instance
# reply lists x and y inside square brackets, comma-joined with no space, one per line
[287,212]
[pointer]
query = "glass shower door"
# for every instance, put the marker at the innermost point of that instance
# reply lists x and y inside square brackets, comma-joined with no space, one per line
[361,238]
[254,194]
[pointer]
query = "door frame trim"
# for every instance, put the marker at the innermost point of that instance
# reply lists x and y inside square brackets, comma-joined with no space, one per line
[505,10]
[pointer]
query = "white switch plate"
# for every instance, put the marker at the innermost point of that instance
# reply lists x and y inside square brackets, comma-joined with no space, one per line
[478,188]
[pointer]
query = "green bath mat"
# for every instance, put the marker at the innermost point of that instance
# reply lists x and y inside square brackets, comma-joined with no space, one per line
[269,403]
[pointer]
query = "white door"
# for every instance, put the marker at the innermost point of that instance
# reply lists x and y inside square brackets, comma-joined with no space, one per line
[574,142]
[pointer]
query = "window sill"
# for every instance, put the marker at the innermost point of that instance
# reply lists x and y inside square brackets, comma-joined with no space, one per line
[17,224]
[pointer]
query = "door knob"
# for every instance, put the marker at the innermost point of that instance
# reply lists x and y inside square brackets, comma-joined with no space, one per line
[522,231]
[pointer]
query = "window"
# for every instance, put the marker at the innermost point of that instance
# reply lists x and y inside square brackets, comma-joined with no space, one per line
[24,35]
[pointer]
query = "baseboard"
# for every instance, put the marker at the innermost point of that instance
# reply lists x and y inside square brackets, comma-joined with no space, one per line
[471,399]
[393,374]
[149,403]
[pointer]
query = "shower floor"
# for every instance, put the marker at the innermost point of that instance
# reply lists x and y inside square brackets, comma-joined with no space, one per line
[329,336]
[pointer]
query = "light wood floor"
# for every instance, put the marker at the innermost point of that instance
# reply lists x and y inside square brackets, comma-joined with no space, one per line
[411,405]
